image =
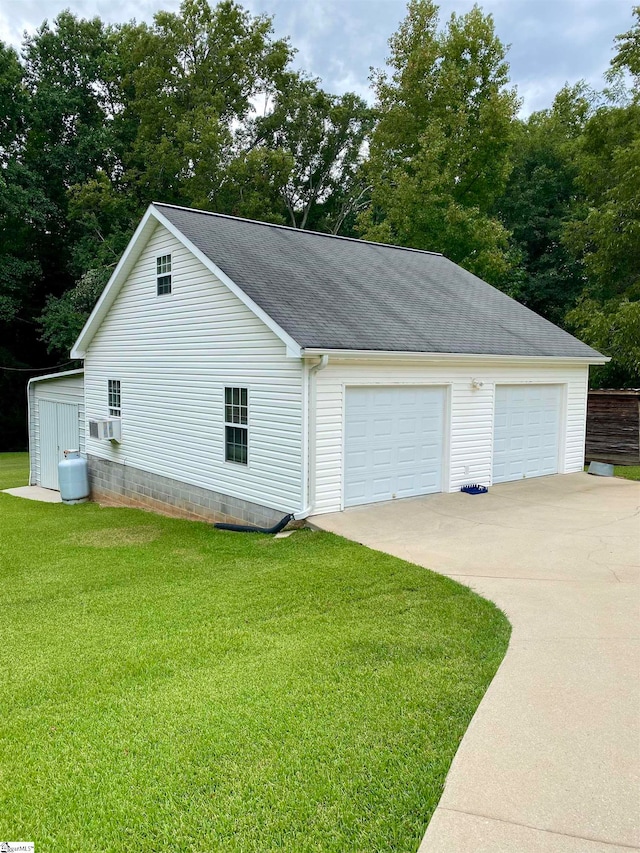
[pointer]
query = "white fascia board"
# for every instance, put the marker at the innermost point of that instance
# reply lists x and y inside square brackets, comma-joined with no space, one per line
[76,372]
[393,355]
[104,303]
[294,349]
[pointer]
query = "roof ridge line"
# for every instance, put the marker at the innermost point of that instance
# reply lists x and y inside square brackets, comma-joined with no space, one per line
[296,230]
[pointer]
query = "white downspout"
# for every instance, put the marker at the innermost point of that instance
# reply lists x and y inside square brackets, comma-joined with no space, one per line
[30,405]
[310,433]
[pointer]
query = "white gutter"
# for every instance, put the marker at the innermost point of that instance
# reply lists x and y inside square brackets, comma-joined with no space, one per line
[309,434]
[452,356]
[75,372]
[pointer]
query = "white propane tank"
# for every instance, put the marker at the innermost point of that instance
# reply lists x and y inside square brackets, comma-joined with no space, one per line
[73,478]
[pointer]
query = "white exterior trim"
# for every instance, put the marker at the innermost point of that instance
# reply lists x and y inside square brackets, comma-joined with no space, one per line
[402,355]
[126,263]
[48,376]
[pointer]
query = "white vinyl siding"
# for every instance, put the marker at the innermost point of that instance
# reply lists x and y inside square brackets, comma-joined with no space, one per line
[468,436]
[64,389]
[174,359]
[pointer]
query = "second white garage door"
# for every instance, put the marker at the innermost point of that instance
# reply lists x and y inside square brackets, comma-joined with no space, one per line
[393,443]
[526,431]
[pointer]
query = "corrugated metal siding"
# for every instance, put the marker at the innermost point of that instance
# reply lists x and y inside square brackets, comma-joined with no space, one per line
[66,389]
[470,429]
[174,355]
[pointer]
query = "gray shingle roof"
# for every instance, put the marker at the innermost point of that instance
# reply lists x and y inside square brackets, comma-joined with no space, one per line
[336,293]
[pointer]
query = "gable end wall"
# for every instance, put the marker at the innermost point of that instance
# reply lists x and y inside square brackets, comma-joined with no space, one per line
[174,355]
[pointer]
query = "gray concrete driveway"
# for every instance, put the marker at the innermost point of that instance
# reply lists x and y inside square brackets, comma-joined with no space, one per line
[551,760]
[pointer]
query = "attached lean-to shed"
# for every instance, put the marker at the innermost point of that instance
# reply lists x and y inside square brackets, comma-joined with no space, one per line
[613,426]
[56,423]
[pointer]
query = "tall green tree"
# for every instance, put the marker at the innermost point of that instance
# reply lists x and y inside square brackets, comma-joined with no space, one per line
[23,206]
[604,232]
[440,154]
[72,87]
[71,80]
[614,329]
[194,77]
[324,136]
[540,198]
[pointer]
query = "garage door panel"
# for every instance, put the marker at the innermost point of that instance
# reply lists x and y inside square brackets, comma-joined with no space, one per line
[381,401]
[526,431]
[382,427]
[407,455]
[381,486]
[358,460]
[382,457]
[402,439]
[408,426]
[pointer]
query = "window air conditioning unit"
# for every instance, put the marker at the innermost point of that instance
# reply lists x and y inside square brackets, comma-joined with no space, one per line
[108,429]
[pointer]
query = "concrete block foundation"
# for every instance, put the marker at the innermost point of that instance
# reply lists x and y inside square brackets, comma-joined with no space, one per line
[115,484]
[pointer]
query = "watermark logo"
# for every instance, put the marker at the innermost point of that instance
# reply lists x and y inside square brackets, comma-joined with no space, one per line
[17,847]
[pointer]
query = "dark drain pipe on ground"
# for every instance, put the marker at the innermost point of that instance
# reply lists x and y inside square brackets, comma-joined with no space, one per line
[249,528]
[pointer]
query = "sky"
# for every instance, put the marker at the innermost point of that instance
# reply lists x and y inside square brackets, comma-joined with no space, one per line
[552,41]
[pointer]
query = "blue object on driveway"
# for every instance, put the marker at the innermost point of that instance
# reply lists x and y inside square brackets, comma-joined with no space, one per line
[475,489]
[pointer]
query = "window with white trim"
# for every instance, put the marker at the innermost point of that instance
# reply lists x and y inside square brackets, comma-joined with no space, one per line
[113,395]
[236,425]
[163,272]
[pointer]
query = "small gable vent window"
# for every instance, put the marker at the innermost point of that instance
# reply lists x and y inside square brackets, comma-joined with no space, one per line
[236,419]
[163,269]
[115,409]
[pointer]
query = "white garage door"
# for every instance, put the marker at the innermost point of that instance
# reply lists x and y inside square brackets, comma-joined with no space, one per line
[59,431]
[393,443]
[526,431]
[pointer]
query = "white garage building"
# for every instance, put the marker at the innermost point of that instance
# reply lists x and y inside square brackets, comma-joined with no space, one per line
[257,370]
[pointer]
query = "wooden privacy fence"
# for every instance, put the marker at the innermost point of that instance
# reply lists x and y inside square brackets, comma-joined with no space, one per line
[613,426]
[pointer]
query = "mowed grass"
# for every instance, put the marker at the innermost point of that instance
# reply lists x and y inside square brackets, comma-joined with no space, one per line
[14,470]
[171,687]
[629,472]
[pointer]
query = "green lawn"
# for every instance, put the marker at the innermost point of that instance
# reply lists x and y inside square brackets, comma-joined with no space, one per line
[14,470]
[169,687]
[629,472]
